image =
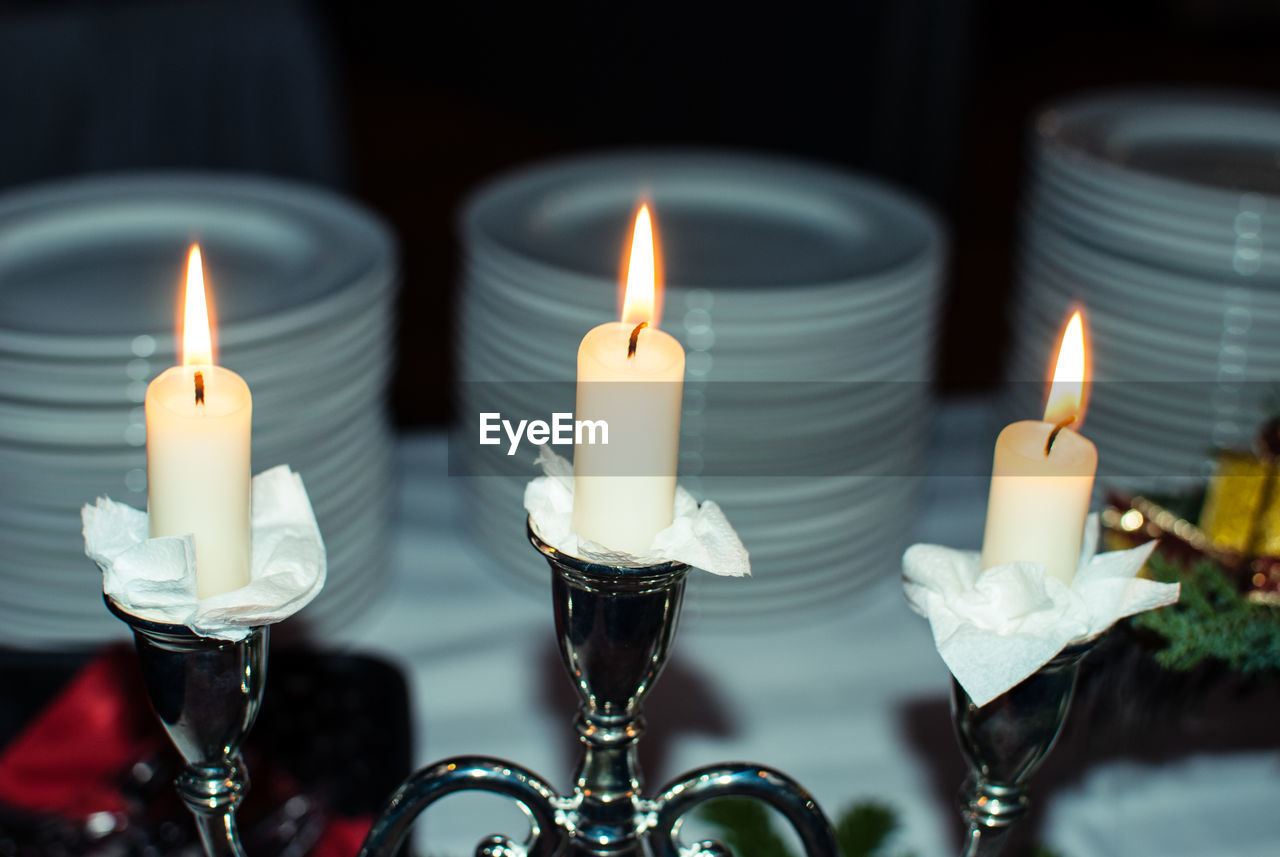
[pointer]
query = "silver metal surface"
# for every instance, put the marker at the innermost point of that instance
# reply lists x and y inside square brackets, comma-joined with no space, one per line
[615,626]
[1004,743]
[738,780]
[471,773]
[206,693]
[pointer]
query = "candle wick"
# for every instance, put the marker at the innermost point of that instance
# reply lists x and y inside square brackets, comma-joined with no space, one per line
[1053,435]
[199,388]
[635,339]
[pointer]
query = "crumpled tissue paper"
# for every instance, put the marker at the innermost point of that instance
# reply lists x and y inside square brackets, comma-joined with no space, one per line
[156,578]
[700,535]
[995,627]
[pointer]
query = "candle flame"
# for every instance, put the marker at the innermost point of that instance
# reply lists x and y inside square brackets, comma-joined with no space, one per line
[197,337]
[642,299]
[1069,386]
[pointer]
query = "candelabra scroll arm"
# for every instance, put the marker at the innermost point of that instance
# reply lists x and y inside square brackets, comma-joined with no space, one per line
[470,773]
[1004,743]
[739,780]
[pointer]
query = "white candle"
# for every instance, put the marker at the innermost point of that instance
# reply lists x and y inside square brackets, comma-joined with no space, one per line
[630,377]
[1040,490]
[198,459]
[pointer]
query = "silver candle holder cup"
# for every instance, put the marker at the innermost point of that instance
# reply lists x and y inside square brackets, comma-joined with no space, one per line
[1004,742]
[615,626]
[206,694]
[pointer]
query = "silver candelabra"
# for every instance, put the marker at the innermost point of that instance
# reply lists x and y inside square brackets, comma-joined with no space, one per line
[1004,743]
[615,626]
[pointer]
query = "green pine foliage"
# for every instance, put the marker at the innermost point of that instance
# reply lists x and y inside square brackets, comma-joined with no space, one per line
[1212,620]
[744,827]
[863,830]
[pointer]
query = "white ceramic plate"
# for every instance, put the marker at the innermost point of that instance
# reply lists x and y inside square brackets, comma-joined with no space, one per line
[1176,293]
[726,221]
[1203,148]
[90,265]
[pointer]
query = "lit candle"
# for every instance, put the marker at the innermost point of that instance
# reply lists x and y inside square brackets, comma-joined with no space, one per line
[198,470]
[1043,474]
[630,375]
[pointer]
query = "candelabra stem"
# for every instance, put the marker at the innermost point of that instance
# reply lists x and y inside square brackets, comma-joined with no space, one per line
[1004,743]
[215,817]
[615,626]
[206,693]
[607,786]
[981,839]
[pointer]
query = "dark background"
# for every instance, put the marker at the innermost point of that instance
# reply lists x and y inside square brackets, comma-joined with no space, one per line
[407,107]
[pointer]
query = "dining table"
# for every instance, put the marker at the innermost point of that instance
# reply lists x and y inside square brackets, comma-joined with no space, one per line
[850,699]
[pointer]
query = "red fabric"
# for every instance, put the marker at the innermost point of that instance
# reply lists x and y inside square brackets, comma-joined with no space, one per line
[70,759]
[342,837]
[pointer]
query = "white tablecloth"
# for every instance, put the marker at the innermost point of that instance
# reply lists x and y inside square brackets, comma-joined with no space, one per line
[826,700]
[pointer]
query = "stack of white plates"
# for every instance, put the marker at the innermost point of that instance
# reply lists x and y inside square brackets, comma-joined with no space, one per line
[806,301]
[1160,212]
[90,276]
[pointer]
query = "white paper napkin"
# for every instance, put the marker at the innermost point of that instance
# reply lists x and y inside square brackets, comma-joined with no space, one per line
[156,578]
[700,535]
[995,627]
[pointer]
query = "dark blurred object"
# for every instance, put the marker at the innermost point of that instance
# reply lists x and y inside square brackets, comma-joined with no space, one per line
[933,96]
[339,724]
[110,86]
[930,94]
[92,774]
[30,680]
[878,87]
